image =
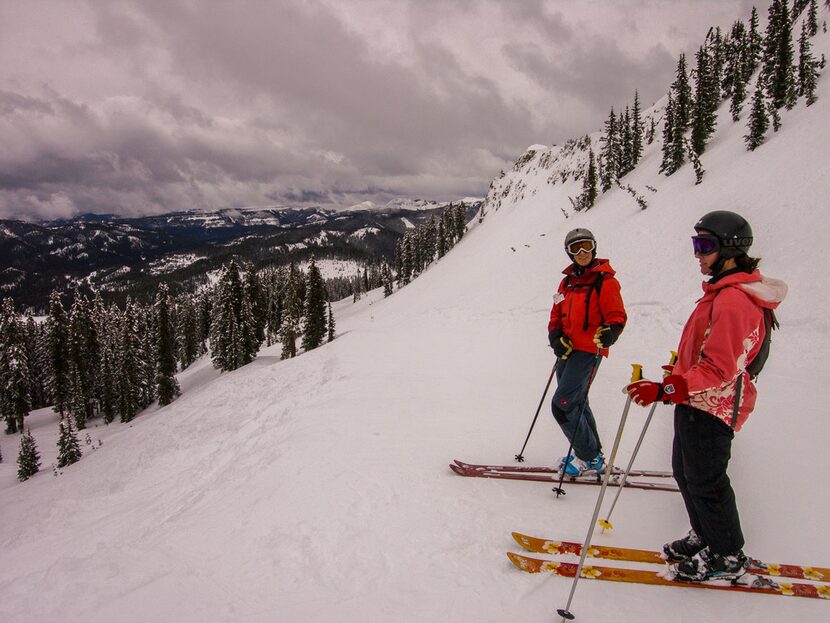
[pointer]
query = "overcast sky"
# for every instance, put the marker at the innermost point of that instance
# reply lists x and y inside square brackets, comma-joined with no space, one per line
[137,107]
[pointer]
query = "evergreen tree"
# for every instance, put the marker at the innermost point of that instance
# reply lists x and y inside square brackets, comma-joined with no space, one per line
[314,328]
[330,324]
[69,451]
[758,120]
[668,135]
[812,19]
[167,387]
[127,364]
[460,218]
[232,332]
[704,116]
[83,358]
[611,153]
[626,156]
[589,183]
[255,291]
[769,56]
[388,282]
[289,331]
[28,459]
[682,90]
[57,330]
[783,84]
[637,128]
[754,43]
[15,381]
[807,72]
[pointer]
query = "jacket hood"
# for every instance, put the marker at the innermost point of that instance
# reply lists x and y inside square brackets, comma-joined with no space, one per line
[597,266]
[765,291]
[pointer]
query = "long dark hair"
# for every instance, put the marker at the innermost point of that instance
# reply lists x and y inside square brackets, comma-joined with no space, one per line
[747,264]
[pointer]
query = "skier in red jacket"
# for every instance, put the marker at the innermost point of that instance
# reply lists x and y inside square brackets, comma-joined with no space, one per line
[587,317]
[714,394]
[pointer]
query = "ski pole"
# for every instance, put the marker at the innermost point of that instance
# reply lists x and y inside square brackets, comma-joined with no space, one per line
[520,457]
[558,490]
[565,613]
[606,523]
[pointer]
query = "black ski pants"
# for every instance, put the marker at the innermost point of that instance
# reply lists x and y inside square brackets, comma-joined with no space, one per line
[700,454]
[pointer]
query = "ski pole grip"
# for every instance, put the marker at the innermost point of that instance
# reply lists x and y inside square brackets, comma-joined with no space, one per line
[636,372]
[672,360]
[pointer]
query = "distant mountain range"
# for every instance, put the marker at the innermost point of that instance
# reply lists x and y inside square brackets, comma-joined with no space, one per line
[120,256]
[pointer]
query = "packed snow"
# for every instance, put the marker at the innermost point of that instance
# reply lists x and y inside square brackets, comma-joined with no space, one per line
[317,489]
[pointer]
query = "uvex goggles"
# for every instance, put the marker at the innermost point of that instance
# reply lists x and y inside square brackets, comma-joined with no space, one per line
[578,246]
[704,245]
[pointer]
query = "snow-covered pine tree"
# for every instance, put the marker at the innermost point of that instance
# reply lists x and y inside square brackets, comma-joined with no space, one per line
[637,130]
[69,450]
[683,102]
[668,134]
[167,387]
[460,224]
[807,68]
[330,324]
[15,381]
[717,54]
[440,242]
[611,153]
[57,336]
[232,331]
[83,358]
[755,44]
[626,157]
[782,86]
[707,100]
[314,327]
[758,120]
[388,280]
[255,291]
[769,51]
[812,19]
[28,458]
[127,371]
[589,183]
[108,398]
[35,359]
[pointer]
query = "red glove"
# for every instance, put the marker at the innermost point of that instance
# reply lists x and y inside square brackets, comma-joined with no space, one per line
[644,392]
[675,388]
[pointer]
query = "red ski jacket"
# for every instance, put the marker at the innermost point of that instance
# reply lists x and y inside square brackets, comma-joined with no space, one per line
[721,337]
[583,302]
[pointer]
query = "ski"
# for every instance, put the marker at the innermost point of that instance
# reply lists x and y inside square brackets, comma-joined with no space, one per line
[553,478]
[750,583]
[522,469]
[543,546]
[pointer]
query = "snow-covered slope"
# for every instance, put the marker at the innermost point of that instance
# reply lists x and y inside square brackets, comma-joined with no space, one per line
[317,489]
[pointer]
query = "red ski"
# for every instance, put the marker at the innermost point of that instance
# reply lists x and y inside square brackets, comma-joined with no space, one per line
[522,469]
[545,546]
[748,582]
[553,478]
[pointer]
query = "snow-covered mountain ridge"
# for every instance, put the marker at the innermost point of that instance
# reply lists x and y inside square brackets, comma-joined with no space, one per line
[316,489]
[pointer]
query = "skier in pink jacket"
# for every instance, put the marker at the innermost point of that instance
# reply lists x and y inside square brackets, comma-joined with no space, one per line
[714,394]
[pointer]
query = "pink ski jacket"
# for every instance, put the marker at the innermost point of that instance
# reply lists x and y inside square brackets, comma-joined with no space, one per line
[721,337]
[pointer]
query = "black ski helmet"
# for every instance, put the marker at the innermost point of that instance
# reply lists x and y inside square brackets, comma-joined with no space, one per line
[732,231]
[580,233]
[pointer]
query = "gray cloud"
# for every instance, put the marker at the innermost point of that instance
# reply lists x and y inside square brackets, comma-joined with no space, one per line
[143,106]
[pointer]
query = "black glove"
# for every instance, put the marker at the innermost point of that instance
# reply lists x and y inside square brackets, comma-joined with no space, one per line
[607,334]
[559,342]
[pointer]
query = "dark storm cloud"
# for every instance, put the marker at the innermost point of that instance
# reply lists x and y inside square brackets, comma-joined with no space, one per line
[145,106]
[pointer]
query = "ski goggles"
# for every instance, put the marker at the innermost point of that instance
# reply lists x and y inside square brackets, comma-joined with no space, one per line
[704,245]
[580,246]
